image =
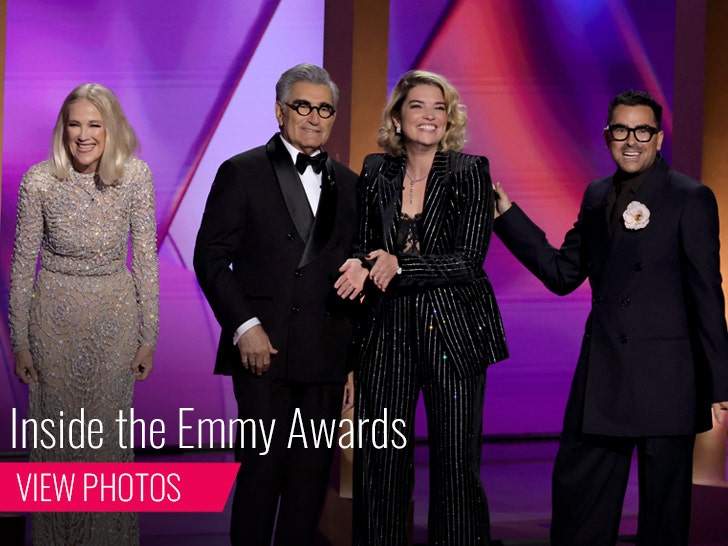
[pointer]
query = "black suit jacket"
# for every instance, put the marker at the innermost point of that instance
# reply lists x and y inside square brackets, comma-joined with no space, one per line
[456,230]
[284,262]
[655,346]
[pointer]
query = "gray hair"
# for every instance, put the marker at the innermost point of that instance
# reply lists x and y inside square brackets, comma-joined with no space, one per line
[308,73]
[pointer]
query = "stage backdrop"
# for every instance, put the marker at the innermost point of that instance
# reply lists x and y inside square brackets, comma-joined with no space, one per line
[197,82]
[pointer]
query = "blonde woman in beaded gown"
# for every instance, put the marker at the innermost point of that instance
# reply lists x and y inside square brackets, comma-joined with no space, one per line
[84,328]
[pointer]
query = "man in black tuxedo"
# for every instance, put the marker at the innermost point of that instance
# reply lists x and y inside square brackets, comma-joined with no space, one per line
[278,223]
[655,350]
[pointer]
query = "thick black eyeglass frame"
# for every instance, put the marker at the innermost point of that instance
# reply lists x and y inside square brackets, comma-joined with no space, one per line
[308,108]
[611,128]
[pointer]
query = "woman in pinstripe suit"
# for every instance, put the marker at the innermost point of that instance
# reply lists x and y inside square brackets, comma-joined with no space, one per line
[434,325]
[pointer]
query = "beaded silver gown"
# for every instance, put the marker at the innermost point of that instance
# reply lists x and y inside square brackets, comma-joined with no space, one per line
[83,317]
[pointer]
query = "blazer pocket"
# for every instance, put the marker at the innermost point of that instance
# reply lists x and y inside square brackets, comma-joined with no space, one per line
[454,324]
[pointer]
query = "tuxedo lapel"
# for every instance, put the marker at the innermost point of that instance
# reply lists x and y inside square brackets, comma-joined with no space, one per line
[290,183]
[595,227]
[323,223]
[603,228]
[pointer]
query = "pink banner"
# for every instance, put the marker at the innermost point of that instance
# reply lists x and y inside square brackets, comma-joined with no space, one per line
[115,487]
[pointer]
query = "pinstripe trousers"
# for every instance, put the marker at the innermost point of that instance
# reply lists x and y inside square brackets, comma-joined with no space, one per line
[401,355]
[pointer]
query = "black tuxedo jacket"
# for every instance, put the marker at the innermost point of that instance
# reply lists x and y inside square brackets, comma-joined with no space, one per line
[456,230]
[655,347]
[261,253]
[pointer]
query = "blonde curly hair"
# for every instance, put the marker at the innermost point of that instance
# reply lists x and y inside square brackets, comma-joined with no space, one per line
[457,119]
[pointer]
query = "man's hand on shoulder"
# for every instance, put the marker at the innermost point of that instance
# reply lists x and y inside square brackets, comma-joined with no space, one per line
[502,202]
[720,411]
[255,350]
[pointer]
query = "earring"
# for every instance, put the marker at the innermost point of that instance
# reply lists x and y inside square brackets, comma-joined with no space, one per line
[397,130]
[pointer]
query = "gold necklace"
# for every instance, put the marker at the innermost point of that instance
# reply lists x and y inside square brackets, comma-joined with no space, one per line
[412,184]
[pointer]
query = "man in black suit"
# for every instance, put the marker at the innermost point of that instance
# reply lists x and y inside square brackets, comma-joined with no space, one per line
[655,350]
[278,223]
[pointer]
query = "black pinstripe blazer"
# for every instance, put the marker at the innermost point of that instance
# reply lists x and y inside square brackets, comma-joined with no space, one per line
[456,229]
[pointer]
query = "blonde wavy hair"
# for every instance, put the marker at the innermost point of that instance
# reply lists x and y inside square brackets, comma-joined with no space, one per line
[457,119]
[121,140]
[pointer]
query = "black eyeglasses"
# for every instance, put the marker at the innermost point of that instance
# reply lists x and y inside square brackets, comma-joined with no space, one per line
[642,133]
[304,108]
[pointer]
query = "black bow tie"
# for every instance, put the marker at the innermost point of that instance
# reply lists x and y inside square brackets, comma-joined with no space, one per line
[316,162]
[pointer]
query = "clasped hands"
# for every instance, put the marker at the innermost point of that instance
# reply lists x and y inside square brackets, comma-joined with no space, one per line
[354,274]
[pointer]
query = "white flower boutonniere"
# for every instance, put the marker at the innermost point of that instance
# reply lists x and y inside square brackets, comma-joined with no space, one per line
[637,216]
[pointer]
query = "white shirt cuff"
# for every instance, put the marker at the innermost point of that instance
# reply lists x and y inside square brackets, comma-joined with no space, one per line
[244,327]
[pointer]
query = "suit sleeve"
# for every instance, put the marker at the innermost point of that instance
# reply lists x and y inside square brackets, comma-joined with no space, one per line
[471,238]
[561,270]
[700,246]
[219,237]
